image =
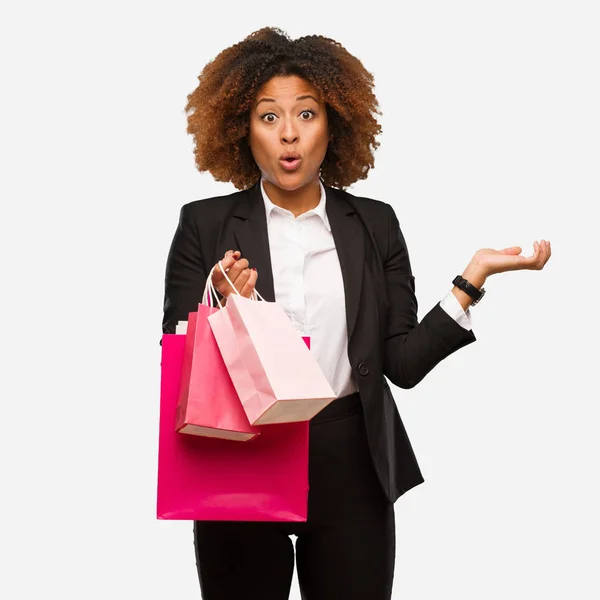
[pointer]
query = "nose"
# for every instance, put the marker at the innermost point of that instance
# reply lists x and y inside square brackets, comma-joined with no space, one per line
[289,133]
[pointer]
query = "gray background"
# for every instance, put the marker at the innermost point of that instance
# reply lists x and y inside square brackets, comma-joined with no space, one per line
[491,129]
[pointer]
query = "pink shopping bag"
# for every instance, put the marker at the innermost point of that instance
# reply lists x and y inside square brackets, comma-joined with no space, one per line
[208,403]
[201,478]
[276,377]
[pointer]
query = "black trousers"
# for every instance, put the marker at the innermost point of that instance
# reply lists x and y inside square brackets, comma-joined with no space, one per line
[345,549]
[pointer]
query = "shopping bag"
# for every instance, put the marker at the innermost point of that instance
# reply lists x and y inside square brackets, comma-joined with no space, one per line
[202,478]
[208,403]
[275,375]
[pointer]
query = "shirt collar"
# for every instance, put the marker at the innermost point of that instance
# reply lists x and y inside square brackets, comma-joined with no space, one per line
[319,210]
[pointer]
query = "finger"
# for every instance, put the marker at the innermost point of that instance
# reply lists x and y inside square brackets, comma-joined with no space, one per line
[238,267]
[529,262]
[219,282]
[242,279]
[246,291]
[536,254]
[227,263]
[543,254]
[546,253]
[233,270]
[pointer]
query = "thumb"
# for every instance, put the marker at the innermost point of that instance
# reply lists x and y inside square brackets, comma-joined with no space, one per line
[512,250]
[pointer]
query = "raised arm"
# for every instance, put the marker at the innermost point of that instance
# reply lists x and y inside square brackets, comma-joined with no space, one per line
[413,349]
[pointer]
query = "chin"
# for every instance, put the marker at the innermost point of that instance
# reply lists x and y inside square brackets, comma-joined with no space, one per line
[290,186]
[291,181]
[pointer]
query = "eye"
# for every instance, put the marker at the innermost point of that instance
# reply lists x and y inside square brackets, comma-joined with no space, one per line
[272,117]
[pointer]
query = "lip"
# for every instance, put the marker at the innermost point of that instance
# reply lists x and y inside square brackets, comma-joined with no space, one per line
[290,165]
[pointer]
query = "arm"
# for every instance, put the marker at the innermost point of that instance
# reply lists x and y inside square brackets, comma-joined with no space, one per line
[453,307]
[413,349]
[185,275]
[456,302]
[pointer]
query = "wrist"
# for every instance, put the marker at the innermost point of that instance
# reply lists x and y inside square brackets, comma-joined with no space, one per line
[476,277]
[474,274]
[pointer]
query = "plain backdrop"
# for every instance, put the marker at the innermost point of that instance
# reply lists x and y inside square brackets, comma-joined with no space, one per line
[491,128]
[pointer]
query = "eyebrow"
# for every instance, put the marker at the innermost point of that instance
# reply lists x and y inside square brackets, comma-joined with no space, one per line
[298,98]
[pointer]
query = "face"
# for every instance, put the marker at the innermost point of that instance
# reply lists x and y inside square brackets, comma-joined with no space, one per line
[288,117]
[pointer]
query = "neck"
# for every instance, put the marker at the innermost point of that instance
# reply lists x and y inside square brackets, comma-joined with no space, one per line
[297,201]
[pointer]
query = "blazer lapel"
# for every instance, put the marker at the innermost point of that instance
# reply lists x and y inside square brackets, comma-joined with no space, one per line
[252,238]
[349,239]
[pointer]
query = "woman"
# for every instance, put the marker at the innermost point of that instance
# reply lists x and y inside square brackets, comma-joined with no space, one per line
[290,124]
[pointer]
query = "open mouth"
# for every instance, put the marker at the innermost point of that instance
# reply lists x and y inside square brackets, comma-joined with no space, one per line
[289,163]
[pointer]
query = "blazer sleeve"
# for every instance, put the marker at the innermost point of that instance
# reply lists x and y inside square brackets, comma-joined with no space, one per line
[413,349]
[185,274]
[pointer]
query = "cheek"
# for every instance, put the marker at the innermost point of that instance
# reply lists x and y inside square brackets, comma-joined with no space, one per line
[258,141]
[255,144]
[322,140]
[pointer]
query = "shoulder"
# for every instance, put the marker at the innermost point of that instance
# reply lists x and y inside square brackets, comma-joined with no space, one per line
[378,217]
[377,214]
[215,205]
[211,211]
[368,207]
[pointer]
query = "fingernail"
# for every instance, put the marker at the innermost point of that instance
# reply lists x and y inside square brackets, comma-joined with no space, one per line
[228,253]
[254,268]
[238,253]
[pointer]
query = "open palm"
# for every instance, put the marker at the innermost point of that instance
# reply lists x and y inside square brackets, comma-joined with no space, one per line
[509,259]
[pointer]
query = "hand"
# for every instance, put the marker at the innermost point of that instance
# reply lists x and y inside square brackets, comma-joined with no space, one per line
[239,273]
[490,261]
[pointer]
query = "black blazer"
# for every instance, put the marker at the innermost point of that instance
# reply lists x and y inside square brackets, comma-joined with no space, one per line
[384,336]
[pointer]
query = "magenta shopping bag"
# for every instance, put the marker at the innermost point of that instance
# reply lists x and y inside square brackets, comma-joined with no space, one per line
[201,478]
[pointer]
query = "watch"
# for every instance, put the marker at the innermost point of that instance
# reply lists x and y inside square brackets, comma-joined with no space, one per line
[461,283]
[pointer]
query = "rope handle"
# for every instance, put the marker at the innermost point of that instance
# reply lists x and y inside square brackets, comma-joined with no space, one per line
[209,289]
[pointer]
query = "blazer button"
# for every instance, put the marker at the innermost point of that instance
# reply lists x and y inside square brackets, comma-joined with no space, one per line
[362,369]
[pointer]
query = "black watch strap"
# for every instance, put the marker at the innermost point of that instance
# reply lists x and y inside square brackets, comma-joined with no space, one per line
[461,283]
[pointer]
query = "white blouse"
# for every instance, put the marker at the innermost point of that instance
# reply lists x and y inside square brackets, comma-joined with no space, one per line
[308,284]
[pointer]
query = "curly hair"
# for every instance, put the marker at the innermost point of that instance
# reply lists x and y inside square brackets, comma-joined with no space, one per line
[218,110]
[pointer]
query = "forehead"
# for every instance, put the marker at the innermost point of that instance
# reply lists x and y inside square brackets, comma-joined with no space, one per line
[287,87]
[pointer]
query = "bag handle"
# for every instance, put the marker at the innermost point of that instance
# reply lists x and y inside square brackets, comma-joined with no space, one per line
[209,289]
[209,292]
